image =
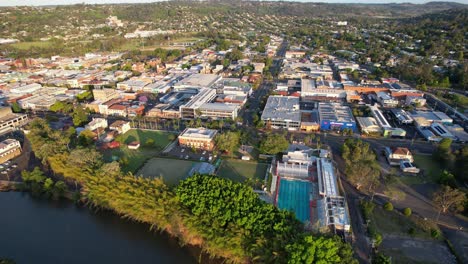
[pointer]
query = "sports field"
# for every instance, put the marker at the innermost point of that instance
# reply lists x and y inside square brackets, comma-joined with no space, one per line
[171,170]
[294,196]
[239,170]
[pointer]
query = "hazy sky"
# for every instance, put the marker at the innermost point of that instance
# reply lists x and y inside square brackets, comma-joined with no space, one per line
[65,2]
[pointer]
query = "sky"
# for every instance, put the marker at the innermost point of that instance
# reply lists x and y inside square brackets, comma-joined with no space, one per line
[66,2]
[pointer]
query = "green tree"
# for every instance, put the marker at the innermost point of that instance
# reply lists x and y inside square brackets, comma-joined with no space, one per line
[446,178]
[447,198]
[59,190]
[361,169]
[273,144]
[36,175]
[79,116]
[48,186]
[388,206]
[228,141]
[86,138]
[16,108]
[407,211]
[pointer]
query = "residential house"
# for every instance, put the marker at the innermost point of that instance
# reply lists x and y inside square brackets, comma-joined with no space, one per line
[396,154]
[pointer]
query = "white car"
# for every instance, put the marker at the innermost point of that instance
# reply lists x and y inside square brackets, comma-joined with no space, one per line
[3,172]
[204,152]
[182,150]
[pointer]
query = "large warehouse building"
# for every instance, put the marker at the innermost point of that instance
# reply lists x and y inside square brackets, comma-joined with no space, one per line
[282,112]
[336,117]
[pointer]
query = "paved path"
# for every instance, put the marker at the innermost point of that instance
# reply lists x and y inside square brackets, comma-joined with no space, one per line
[417,250]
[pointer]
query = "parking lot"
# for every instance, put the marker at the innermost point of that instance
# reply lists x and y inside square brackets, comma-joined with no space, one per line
[8,169]
[188,154]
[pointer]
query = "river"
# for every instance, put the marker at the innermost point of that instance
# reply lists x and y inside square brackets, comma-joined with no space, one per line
[34,230]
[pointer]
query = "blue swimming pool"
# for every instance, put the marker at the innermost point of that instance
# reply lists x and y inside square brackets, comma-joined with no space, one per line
[294,196]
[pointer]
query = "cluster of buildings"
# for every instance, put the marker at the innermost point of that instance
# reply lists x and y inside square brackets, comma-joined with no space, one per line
[304,181]
[289,112]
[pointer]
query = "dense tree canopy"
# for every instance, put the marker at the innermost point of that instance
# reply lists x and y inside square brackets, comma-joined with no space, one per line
[227,219]
[362,169]
[228,141]
[273,144]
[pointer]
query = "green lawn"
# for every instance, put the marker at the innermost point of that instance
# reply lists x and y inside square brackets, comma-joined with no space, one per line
[28,45]
[161,139]
[171,170]
[132,160]
[239,170]
[431,167]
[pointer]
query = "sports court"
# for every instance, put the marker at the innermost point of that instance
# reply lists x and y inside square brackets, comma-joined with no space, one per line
[293,195]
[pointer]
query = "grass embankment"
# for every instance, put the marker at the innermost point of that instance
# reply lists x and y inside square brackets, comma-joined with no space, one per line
[382,222]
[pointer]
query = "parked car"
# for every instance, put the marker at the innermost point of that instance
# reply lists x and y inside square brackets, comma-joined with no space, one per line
[186,156]
[204,152]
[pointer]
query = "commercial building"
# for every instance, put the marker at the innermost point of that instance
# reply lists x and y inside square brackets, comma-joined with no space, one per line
[26,89]
[335,116]
[105,95]
[199,138]
[218,111]
[132,85]
[282,112]
[189,110]
[96,123]
[10,121]
[37,102]
[120,126]
[290,54]
[431,117]
[369,125]
[197,81]
[166,111]
[402,116]
[9,149]
[386,100]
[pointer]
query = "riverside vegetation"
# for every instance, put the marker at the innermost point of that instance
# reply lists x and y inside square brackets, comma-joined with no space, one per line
[224,218]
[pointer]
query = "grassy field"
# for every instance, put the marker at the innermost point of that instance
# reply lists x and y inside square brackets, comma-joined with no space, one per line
[431,167]
[390,222]
[171,170]
[239,170]
[132,160]
[161,139]
[138,44]
[28,45]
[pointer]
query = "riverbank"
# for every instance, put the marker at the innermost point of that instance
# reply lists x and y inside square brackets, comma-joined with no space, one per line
[61,232]
[68,200]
